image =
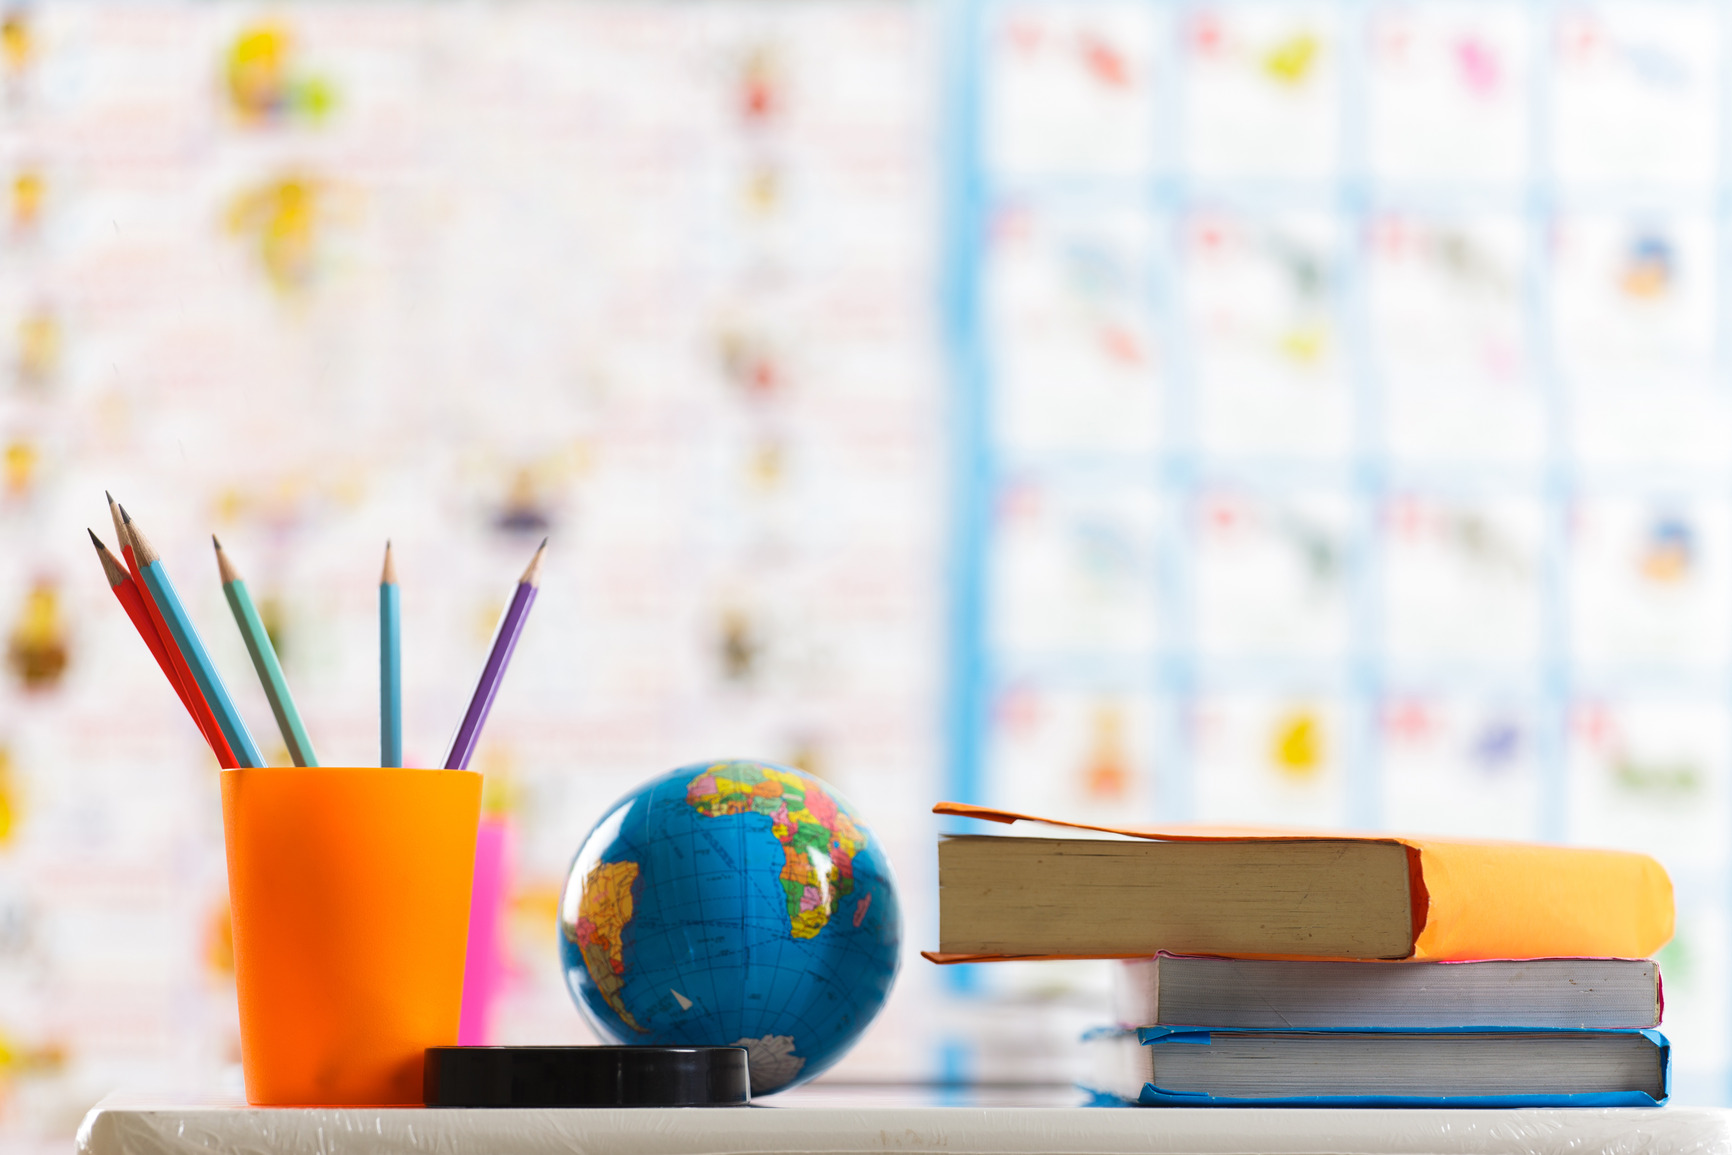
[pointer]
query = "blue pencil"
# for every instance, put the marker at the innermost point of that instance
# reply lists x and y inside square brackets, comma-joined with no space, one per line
[390,668]
[204,672]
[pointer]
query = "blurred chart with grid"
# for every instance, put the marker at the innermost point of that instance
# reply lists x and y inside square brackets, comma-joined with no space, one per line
[1344,435]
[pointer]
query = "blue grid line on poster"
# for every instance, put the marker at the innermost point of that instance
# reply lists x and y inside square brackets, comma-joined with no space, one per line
[969,482]
[1378,687]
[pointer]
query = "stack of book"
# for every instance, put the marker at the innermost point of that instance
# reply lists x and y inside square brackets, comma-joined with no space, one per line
[1269,969]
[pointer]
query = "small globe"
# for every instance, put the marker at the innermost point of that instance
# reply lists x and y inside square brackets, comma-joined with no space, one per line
[733,903]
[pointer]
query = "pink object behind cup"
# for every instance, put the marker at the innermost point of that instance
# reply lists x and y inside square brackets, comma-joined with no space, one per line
[485,965]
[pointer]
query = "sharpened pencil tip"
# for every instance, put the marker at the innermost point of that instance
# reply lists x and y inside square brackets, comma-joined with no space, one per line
[124,516]
[388,574]
[532,575]
[111,566]
[142,549]
[226,571]
[121,538]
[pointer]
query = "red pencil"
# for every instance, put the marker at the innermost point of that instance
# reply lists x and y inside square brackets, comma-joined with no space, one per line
[127,593]
[183,680]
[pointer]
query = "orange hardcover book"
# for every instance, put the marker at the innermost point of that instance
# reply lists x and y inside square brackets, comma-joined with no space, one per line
[1432,898]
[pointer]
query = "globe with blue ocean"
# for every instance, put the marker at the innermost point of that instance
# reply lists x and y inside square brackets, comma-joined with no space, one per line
[733,903]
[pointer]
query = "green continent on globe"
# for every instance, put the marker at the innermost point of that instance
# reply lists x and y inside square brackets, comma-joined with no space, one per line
[814,832]
[603,911]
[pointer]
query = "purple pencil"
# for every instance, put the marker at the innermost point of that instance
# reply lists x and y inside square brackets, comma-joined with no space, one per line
[505,641]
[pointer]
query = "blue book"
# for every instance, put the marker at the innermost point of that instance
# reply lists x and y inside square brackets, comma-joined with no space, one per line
[1435,1067]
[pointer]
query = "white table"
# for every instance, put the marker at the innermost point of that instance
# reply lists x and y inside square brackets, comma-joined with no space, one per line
[853,1121]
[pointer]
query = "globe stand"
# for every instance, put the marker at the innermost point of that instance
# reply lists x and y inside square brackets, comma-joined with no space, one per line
[586,1077]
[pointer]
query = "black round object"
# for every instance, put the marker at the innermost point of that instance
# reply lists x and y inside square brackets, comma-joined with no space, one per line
[586,1077]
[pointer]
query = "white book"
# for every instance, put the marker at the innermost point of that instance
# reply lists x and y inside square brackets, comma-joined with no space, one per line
[1176,990]
[1380,1068]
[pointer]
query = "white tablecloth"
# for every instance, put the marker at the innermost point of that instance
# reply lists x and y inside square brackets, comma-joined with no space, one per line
[844,1122]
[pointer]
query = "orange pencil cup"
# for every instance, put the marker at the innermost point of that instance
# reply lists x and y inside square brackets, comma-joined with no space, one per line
[350,892]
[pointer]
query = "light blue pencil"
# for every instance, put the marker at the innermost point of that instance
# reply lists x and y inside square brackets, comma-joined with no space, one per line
[204,672]
[390,668]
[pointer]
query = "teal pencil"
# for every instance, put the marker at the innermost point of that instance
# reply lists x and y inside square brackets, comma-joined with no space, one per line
[204,671]
[390,668]
[264,657]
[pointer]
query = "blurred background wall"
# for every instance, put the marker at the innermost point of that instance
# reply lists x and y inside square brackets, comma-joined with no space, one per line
[1257,411]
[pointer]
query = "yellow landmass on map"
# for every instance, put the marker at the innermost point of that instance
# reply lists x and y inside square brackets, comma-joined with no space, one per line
[808,823]
[602,914]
